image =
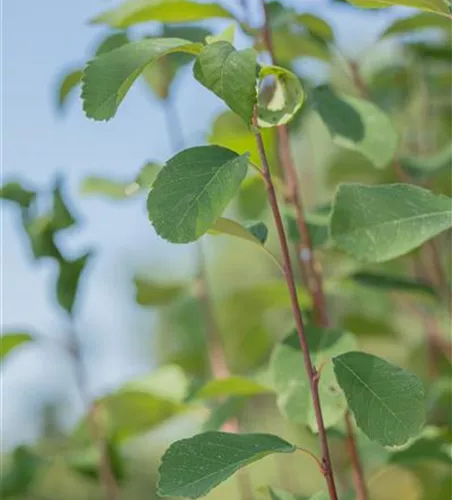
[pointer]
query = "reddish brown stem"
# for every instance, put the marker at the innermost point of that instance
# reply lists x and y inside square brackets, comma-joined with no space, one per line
[358,473]
[290,280]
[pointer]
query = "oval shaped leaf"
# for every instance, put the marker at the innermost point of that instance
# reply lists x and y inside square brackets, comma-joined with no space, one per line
[379,223]
[387,402]
[436,6]
[192,190]
[217,68]
[133,12]
[358,125]
[9,342]
[192,467]
[287,99]
[108,77]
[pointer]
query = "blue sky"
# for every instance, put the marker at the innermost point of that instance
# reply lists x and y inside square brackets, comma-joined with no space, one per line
[40,40]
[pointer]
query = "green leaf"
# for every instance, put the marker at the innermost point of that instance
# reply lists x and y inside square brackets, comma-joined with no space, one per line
[192,467]
[231,386]
[387,401]
[393,283]
[67,85]
[228,35]
[133,12]
[20,474]
[111,42]
[132,412]
[317,26]
[68,281]
[88,462]
[379,223]
[436,6]
[62,217]
[287,99]
[277,494]
[291,382]
[318,225]
[217,67]
[10,341]
[151,293]
[426,166]
[40,233]
[108,77]
[258,229]
[223,412]
[192,191]
[416,23]
[13,191]
[252,197]
[357,124]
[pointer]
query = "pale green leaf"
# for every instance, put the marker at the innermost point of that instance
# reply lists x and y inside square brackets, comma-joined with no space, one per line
[287,98]
[227,35]
[67,85]
[10,341]
[258,229]
[379,223]
[291,382]
[217,67]
[133,12]
[108,77]
[388,402]
[358,125]
[192,190]
[151,293]
[222,412]
[15,192]
[68,281]
[192,467]
[231,386]
[436,6]
[418,22]
[428,166]
[252,197]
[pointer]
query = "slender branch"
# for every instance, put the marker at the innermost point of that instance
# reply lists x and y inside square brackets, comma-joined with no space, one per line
[309,267]
[290,280]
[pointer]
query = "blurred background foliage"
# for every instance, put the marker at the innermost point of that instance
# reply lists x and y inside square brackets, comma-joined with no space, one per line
[407,73]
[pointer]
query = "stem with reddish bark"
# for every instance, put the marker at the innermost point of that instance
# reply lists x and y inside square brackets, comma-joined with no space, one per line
[290,280]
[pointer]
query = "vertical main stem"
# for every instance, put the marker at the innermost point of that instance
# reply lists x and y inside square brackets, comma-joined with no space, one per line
[290,280]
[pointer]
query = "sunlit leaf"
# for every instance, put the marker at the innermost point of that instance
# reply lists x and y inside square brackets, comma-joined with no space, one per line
[133,12]
[192,190]
[287,99]
[217,67]
[10,341]
[231,386]
[436,6]
[67,85]
[357,124]
[388,402]
[418,22]
[252,197]
[379,223]
[192,467]
[291,382]
[151,293]
[68,281]
[108,77]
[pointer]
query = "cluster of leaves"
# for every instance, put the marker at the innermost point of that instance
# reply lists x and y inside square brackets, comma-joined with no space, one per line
[371,224]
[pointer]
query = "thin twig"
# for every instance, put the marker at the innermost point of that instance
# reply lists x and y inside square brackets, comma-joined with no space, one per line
[290,280]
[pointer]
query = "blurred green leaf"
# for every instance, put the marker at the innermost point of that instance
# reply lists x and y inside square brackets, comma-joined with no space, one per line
[13,191]
[277,494]
[192,467]
[68,281]
[436,6]
[388,403]
[258,229]
[151,293]
[286,101]
[9,342]
[216,68]
[427,166]
[62,217]
[368,325]
[317,26]
[67,85]
[380,223]
[357,124]
[111,42]
[291,382]
[223,412]
[318,225]
[133,12]
[231,386]
[40,232]
[181,206]
[252,197]
[20,474]
[108,77]
[227,35]
[418,22]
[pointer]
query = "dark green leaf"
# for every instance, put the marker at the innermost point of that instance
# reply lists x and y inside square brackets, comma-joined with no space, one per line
[379,223]
[193,190]
[151,293]
[258,229]
[133,12]
[192,467]
[388,402]
[227,35]
[9,342]
[20,474]
[418,22]
[436,6]
[68,281]
[111,42]
[13,191]
[40,233]
[217,67]
[108,77]
[291,382]
[62,218]
[358,125]
[67,85]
